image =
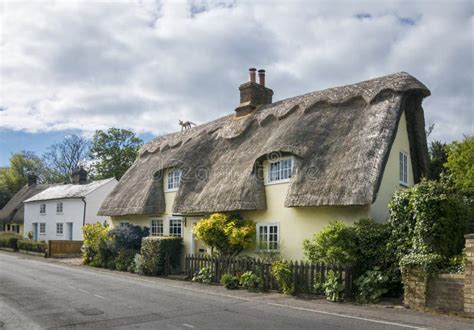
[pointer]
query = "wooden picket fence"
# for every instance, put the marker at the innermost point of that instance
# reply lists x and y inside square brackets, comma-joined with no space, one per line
[303,272]
[64,248]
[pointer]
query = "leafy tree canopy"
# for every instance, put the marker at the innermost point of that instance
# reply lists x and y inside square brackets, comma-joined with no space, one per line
[115,151]
[438,153]
[228,234]
[460,165]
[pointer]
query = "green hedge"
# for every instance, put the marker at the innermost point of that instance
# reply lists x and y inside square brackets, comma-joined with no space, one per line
[9,241]
[34,246]
[154,251]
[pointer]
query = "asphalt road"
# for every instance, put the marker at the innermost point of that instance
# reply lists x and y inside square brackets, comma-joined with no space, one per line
[39,294]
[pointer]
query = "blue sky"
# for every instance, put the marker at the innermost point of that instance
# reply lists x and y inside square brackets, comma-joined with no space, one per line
[68,67]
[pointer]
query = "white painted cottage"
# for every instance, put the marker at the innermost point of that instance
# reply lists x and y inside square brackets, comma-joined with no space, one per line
[59,212]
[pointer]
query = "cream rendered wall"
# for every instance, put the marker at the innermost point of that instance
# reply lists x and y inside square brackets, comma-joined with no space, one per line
[144,220]
[297,224]
[391,176]
[95,198]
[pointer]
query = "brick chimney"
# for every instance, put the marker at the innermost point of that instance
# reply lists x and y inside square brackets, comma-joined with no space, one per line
[79,176]
[32,179]
[252,94]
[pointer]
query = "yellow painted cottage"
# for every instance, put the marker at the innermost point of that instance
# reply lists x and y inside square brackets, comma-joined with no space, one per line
[292,166]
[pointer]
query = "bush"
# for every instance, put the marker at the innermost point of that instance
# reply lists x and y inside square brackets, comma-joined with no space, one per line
[318,283]
[156,249]
[430,263]
[335,244]
[228,234]
[129,237]
[34,246]
[370,286]
[230,281]
[124,260]
[9,240]
[251,281]
[106,256]
[138,264]
[333,287]
[204,275]
[428,218]
[457,264]
[283,274]
[93,234]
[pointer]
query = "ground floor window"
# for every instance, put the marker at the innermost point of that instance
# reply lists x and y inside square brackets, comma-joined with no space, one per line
[176,227]
[156,227]
[43,228]
[8,227]
[59,228]
[124,223]
[268,237]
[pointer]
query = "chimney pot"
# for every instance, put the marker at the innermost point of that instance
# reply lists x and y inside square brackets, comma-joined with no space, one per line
[253,95]
[261,77]
[252,74]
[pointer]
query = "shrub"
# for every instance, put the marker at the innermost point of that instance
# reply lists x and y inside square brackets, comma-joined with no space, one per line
[430,263]
[138,264]
[283,274]
[228,234]
[333,287]
[124,260]
[93,234]
[129,237]
[230,281]
[335,244]
[429,218]
[107,253]
[9,241]
[318,283]
[34,246]
[457,264]
[370,286]
[204,275]
[156,249]
[251,281]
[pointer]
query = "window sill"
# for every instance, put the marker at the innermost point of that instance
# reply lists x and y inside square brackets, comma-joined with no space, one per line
[59,213]
[42,213]
[277,182]
[403,184]
[171,190]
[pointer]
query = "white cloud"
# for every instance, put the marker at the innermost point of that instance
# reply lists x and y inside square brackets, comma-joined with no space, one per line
[144,65]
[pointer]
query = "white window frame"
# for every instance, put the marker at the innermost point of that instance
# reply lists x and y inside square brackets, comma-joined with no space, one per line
[403,161]
[260,248]
[60,228]
[173,181]
[124,223]
[172,221]
[42,231]
[59,207]
[269,180]
[42,208]
[155,227]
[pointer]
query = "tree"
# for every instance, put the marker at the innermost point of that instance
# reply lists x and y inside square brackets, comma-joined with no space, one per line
[228,234]
[15,176]
[460,165]
[115,151]
[64,157]
[335,244]
[438,153]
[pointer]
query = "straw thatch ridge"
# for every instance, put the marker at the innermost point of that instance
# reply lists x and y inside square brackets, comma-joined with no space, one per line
[340,139]
[14,210]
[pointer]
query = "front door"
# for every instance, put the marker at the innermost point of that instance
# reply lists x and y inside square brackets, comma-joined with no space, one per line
[70,230]
[35,231]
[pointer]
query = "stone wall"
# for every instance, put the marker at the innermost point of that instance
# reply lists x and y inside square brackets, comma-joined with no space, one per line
[443,292]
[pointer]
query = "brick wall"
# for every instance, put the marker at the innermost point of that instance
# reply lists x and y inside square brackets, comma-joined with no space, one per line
[445,292]
[415,282]
[469,277]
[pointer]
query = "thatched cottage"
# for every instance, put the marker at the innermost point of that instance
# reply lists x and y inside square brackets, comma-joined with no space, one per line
[292,166]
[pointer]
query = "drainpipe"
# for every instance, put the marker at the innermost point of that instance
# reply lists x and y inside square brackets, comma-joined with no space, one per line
[84,216]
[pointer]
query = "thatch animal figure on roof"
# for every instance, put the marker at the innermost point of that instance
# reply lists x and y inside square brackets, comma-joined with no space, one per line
[186,124]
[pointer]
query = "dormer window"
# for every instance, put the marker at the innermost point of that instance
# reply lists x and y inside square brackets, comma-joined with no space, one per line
[174,178]
[280,170]
[42,208]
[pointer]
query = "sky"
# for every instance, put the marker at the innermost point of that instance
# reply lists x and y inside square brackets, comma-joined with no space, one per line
[72,67]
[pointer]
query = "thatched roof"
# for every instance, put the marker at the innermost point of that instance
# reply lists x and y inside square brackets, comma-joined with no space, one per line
[68,191]
[14,210]
[340,139]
